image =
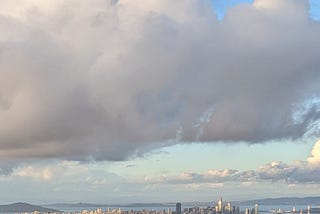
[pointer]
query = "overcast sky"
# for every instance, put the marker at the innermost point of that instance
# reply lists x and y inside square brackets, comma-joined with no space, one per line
[119,101]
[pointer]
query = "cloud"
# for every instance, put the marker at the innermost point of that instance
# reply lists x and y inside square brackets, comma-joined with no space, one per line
[282,7]
[212,176]
[44,174]
[314,158]
[300,172]
[50,171]
[278,171]
[6,166]
[108,80]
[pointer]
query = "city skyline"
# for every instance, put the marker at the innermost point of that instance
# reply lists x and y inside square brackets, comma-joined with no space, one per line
[121,101]
[218,207]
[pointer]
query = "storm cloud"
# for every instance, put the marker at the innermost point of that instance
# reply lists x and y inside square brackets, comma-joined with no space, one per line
[108,80]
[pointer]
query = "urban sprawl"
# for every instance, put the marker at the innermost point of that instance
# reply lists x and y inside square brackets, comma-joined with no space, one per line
[219,208]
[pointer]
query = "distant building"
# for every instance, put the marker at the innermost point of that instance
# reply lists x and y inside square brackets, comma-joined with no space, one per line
[178,208]
[256,209]
[228,207]
[220,206]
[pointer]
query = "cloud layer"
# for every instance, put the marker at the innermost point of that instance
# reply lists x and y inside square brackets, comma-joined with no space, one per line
[300,172]
[106,80]
[101,182]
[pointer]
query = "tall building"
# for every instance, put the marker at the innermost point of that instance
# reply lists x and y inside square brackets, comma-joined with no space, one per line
[228,207]
[256,209]
[178,208]
[220,206]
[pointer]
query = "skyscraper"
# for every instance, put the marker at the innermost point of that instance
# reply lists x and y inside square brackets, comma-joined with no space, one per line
[178,208]
[220,206]
[256,209]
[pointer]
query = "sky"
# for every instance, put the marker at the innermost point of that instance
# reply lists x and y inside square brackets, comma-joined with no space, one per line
[120,101]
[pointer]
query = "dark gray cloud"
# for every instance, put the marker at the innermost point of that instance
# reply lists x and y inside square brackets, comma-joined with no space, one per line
[106,80]
[6,166]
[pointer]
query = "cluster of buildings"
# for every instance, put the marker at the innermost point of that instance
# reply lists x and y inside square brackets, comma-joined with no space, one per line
[219,208]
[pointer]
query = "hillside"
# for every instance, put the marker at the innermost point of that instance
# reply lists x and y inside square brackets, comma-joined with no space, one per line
[24,207]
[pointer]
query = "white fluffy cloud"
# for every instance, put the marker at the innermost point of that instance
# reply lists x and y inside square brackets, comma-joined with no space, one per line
[106,80]
[51,171]
[300,172]
[314,158]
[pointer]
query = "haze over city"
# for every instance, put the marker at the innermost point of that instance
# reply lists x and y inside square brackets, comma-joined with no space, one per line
[125,101]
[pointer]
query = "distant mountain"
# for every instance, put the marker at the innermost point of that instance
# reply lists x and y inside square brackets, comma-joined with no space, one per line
[74,205]
[292,201]
[147,205]
[106,205]
[24,207]
[284,201]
